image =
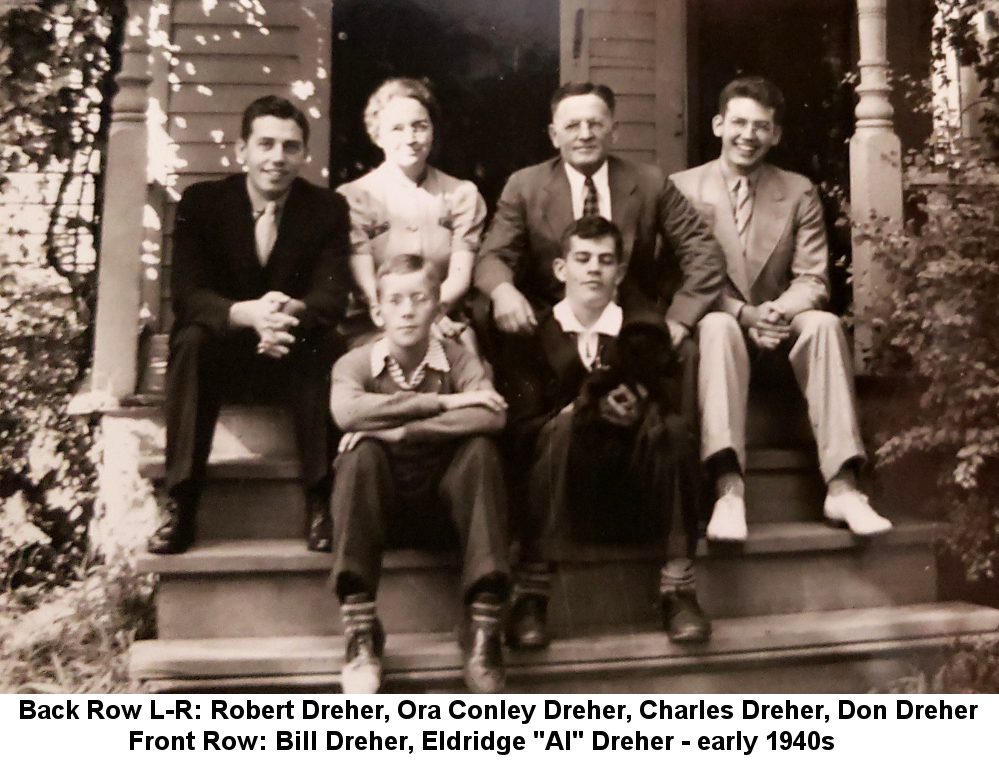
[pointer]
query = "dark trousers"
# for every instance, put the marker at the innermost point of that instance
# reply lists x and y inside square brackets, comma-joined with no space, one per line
[207,369]
[431,496]
[595,483]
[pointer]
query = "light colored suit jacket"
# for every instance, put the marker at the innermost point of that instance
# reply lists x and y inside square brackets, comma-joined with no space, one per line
[674,263]
[786,258]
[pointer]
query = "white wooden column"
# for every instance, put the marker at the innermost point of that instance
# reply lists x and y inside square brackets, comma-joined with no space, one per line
[875,165]
[118,292]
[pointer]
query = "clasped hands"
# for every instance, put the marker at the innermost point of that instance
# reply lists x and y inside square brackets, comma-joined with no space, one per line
[767,326]
[487,398]
[274,315]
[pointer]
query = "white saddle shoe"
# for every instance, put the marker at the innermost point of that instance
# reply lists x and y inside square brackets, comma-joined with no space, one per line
[728,520]
[853,508]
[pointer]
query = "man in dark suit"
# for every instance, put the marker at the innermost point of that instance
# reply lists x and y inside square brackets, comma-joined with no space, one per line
[259,281]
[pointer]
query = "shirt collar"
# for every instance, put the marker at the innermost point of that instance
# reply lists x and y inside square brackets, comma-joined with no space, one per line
[258,202]
[732,177]
[435,357]
[394,174]
[609,323]
[577,178]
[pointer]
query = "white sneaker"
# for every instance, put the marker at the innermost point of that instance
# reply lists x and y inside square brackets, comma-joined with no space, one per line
[853,508]
[728,520]
[362,673]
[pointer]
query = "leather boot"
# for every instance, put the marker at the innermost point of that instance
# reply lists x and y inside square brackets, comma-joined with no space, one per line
[318,521]
[683,619]
[176,531]
[484,672]
[527,627]
[362,658]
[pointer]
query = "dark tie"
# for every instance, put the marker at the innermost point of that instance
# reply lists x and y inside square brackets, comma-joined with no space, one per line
[591,206]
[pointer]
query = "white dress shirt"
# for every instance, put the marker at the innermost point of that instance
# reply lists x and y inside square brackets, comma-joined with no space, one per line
[588,338]
[601,180]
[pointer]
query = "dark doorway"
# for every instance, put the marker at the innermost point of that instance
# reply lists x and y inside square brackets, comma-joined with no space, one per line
[493,66]
[806,47]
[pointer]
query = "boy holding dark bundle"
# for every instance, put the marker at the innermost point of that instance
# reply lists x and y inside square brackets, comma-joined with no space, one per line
[593,417]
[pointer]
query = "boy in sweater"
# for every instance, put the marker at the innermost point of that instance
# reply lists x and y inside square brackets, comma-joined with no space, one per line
[417,466]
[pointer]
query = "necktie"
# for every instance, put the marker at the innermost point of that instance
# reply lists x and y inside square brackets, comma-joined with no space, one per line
[591,206]
[266,232]
[743,208]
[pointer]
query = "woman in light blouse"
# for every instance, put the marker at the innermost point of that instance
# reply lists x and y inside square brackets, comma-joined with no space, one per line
[408,206]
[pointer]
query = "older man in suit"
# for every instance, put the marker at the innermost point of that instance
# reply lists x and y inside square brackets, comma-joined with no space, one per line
[672,260]
[769,223]
[259,281]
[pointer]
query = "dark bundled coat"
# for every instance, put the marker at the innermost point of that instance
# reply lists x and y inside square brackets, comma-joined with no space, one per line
[546,374]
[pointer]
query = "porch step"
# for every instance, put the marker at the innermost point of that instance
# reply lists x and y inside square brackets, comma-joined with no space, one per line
[278,588]
[807,652]
[252,496]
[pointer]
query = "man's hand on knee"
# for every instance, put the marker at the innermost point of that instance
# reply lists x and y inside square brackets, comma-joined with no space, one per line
[349,441]
[512,312]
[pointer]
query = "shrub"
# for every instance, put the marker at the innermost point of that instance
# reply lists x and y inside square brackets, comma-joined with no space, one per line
[940,326]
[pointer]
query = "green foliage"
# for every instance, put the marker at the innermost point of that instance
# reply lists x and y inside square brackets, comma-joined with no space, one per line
[54,83]
[74,638]
[941,326]
[47,474]
[971,667]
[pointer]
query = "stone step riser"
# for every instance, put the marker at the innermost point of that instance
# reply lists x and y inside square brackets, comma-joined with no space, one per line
[234,508]
[587,598]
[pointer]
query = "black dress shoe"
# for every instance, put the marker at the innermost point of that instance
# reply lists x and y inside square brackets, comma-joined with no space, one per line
[176,532]
[484,672]
[527,628]
[683,618]
[319,535]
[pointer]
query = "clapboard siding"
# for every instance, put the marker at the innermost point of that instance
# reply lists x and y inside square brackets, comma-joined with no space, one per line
[637,108]
[226,41]
[625,81]
[199,128]
[237,69]
[622,26]
[635,52]
[278,12]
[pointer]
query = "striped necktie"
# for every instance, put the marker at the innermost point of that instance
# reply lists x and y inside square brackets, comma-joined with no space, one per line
[743,208]
[591,206]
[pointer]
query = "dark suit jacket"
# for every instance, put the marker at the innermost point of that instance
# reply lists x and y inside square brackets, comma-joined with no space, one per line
[673,259]
[215,262]
[549,375]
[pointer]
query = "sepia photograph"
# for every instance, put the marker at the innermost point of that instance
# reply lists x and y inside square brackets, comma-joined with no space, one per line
[499,346]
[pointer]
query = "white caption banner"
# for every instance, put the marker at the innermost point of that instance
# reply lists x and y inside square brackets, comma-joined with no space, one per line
[528,726]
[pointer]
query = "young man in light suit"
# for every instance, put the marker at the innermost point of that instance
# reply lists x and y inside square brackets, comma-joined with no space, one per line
[769,224]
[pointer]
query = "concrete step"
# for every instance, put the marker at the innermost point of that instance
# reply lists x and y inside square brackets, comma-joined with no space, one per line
[809,652]
[277,588]
[259,496]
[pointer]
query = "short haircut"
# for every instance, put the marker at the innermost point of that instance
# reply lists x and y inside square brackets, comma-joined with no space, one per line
[398,87]
[407,263]
[763,91]
[273,105]
[571,89]
[592,228]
